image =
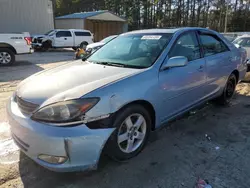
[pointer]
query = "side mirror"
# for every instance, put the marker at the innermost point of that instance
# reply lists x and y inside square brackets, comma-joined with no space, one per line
[178,61]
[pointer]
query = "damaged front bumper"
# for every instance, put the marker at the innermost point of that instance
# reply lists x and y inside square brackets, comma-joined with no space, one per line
[36,45]
[61,149]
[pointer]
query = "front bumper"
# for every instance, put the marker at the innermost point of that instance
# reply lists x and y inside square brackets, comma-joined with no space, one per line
[81,145]
[36,45]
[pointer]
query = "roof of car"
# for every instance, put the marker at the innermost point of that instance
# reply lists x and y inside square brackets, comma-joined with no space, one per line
[166,30]
[80,30]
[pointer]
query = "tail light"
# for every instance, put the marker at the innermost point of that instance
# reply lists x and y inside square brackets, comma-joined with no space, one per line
[28,40]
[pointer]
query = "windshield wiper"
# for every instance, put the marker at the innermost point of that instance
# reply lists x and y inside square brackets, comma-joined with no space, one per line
[111,64]
[119,65]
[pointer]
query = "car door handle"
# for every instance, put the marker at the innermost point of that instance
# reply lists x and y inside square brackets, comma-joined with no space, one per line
[65,38]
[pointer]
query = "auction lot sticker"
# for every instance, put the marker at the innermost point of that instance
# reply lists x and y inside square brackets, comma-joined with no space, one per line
[151,37]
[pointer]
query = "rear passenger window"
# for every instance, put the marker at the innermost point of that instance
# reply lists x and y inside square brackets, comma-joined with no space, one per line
[82,33]
[63,34]
[187,46]
[212,45]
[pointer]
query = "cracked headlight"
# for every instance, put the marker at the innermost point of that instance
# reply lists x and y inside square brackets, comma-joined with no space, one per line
[65,111]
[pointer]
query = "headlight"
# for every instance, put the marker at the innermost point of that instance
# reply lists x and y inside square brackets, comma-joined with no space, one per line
[66,111]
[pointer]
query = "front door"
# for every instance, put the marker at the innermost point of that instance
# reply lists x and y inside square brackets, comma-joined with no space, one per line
[63,39]
[182,87]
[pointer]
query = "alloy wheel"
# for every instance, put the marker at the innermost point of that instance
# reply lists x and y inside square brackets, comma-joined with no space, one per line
[132,133]
[5,58]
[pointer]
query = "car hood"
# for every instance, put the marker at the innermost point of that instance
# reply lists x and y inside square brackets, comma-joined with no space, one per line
[96,44]
[69,81]
[39,36]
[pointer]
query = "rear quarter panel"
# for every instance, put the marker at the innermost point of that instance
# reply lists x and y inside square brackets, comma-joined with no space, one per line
[79,39]
[238,56]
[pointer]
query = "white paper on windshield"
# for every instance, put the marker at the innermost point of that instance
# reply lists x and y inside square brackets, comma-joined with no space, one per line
[151,37]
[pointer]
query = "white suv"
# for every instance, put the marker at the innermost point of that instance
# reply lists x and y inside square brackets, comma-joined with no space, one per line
[63,38]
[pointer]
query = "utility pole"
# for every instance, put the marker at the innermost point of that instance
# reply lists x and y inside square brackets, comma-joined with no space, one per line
[225,29]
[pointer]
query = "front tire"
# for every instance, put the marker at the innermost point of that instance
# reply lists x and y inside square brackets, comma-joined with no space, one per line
[228,91]
[46,46]
[7,57]
[133,126]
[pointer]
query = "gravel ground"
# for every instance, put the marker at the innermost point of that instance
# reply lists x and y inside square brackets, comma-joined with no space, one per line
[175,156]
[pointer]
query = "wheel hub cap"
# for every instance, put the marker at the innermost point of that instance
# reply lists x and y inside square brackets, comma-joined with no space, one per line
[132,133]
[5,58]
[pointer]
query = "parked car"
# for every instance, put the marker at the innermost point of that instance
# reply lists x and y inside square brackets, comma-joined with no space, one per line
[95,46]
[111,102]
[62,38]
[244,42]
[12,44]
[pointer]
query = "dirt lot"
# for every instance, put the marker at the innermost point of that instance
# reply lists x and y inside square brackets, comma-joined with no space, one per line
[175,157]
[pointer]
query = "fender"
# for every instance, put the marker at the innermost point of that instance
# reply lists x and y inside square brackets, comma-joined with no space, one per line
[5,45]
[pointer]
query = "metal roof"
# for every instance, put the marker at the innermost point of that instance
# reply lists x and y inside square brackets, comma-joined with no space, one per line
[82,15]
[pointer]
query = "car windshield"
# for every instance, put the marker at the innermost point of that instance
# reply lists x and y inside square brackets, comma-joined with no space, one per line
[49,32]
[132,50]
[107,39]
[244,42]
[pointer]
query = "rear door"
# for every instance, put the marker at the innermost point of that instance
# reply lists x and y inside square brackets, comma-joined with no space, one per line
[219,61]
[63,39]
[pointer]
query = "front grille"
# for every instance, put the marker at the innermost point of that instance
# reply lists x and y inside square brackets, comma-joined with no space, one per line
[37,40]
[25,106]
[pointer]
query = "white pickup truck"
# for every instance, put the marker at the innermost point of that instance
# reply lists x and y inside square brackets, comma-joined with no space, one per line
[62,38]
[12,44]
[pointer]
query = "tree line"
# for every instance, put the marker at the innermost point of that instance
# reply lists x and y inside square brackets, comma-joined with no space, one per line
[220,15]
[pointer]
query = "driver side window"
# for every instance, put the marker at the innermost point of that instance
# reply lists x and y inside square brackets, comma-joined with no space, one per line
[187,46]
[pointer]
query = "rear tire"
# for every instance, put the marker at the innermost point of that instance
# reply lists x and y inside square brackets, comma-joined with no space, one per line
[7,57]
[228,91]
[133,126]
[84,45]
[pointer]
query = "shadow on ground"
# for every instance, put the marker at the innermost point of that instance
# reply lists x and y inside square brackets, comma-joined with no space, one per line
[175,157]
[50,57]
[18,71]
